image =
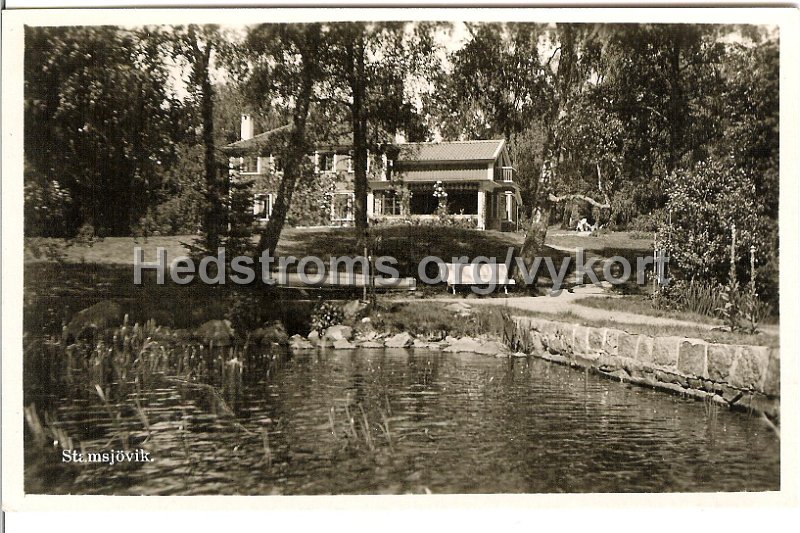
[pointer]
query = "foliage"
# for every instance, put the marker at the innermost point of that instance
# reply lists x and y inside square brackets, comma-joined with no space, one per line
[697,296]
[47,204]
[704,204]
[497,85]
[107,147]
[311,203]
[742,310]
[438,221]
[181,196]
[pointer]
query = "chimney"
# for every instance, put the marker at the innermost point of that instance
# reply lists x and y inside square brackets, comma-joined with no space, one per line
[247,127]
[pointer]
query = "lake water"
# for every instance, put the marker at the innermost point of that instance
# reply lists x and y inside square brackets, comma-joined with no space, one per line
[441,423]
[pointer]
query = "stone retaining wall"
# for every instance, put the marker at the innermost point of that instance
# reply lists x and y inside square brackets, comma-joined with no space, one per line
[738,375]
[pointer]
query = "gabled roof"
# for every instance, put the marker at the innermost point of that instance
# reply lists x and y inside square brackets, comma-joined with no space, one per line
[257,142]
[450,151]
[423,152]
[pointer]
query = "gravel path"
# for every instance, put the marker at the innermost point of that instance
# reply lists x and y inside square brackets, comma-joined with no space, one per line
[567,302]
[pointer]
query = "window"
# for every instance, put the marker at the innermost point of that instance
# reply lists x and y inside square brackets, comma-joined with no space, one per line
[249,165]
[462,202]
[342,206]
[390,204]
[262,206]
[326,162]
[277,164]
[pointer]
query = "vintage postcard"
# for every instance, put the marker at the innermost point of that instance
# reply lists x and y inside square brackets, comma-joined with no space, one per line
[429,253]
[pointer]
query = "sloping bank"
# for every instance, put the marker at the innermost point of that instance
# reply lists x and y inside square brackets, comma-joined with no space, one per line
[741,376]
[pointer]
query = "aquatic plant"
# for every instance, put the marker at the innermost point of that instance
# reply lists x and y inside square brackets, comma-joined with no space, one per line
[358,431]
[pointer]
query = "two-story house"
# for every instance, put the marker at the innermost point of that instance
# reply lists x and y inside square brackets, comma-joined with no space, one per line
[476,175]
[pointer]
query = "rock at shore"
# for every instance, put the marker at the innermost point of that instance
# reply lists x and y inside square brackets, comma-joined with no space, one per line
[493,348]
[401,340]
[86,322]
[219,332]
[298,342]
[371,344]
[343,344]
[273,333]
[464,344]
[335,333]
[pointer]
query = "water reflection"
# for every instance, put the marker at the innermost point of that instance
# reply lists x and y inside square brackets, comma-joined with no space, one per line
[394,421]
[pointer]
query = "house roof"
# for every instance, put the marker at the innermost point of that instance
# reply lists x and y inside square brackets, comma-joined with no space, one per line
[443,174]
[257,142]
[427,152]
[450,151]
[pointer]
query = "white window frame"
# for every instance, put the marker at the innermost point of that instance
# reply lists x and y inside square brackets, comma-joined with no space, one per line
[268,197]
[351,197]
[242,160]
[323,158]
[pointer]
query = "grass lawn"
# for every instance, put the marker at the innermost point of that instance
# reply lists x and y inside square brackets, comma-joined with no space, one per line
[406,243]
[403,242]
[602,243]
[642,305]
[419,318]
[726,337]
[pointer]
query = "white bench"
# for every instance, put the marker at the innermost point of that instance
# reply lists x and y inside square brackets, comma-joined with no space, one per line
[475,274]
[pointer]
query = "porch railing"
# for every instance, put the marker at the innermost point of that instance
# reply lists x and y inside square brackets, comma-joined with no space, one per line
[508,174]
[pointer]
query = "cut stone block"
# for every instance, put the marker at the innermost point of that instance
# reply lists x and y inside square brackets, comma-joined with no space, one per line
[665,351]
[692,358]
[720,360]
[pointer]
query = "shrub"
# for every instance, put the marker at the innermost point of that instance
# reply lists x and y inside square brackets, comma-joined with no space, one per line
[704,204]
[46,207]
[325,315]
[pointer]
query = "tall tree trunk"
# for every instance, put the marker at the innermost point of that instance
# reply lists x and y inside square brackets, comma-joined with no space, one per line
[566,79]
[213,214]
[359,117]
[295,152]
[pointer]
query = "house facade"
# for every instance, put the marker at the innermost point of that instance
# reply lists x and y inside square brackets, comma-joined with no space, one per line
[473,180]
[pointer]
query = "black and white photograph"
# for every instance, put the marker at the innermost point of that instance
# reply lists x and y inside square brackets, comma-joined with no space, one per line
[272,253]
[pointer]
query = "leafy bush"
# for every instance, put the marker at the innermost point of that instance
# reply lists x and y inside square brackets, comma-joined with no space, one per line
[704,205]
[742,310]
[325,315]
[440,220]
[699,297]
[46,206]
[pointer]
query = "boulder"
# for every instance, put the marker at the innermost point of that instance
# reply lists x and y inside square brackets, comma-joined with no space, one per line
[371,344]
[340,332]
[219,332]
[401,340]
[492,348]
[368,335]
[86,322]
[343,344]
[298,342]
[465,344]
[273,333]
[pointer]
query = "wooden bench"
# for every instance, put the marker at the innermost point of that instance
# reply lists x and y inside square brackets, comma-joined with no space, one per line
[475,274]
